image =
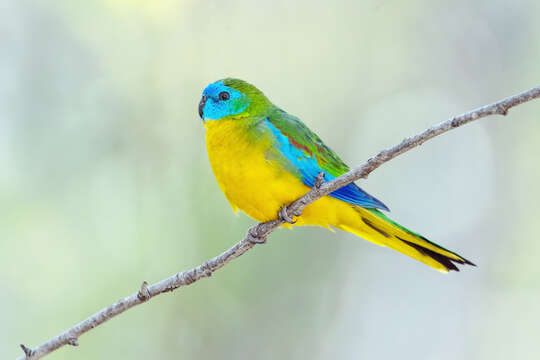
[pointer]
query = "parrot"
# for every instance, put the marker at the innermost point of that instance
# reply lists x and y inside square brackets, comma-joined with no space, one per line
[264,158]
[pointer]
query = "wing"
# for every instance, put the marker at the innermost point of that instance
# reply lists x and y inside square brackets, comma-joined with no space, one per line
[306,155]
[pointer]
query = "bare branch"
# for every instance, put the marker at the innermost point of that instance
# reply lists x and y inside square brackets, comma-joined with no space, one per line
[258,233]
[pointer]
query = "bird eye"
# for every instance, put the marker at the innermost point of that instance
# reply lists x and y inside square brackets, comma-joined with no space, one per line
[224,95]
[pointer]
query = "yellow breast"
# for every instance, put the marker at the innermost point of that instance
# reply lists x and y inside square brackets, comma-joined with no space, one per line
[260,187]
[249,181]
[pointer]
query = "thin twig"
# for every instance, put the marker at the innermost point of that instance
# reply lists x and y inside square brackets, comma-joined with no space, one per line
[259,232]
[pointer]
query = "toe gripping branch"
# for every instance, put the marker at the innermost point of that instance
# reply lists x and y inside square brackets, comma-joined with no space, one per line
[255,237]
[284,213]
[257,234]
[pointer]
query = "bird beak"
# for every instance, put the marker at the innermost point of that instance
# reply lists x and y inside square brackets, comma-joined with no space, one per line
[201,106]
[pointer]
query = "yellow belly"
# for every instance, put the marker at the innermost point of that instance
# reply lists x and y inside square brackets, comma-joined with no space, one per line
[258,187]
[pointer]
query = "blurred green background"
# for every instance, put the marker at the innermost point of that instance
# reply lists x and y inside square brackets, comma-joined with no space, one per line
[105,182]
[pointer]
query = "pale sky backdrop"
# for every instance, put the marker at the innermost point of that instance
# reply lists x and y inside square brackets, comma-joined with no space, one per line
[105,182]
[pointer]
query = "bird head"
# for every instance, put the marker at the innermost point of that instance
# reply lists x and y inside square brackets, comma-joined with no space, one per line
[230,97]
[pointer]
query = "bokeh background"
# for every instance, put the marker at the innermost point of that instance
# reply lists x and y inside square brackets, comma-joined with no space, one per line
[105,182]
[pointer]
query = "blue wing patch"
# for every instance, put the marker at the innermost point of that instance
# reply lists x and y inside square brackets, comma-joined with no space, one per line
[309,168]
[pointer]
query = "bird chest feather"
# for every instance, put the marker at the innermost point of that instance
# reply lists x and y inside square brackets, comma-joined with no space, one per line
[249,180]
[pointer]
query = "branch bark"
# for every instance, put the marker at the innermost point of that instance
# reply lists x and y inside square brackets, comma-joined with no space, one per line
[258,233]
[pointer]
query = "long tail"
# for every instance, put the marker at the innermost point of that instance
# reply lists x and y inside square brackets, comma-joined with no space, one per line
[378,228]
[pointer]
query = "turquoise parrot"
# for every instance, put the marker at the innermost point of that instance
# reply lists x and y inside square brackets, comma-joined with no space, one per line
[265,158]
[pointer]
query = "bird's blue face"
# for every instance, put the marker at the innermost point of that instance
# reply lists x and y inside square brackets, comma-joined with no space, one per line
[219,101]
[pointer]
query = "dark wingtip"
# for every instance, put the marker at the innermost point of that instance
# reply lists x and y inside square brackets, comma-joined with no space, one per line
[447,262]
[465,261]
[383,207]
[379,204]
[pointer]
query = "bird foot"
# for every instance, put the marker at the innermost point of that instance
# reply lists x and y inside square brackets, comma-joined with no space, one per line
[254,237]
[284,215]
[319,180]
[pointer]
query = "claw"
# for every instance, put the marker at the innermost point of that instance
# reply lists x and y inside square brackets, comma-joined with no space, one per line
[283,215]
[319,180]
[143,293]
[254,237]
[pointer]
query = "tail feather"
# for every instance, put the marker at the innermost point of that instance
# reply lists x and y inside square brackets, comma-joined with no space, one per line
[378,228]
